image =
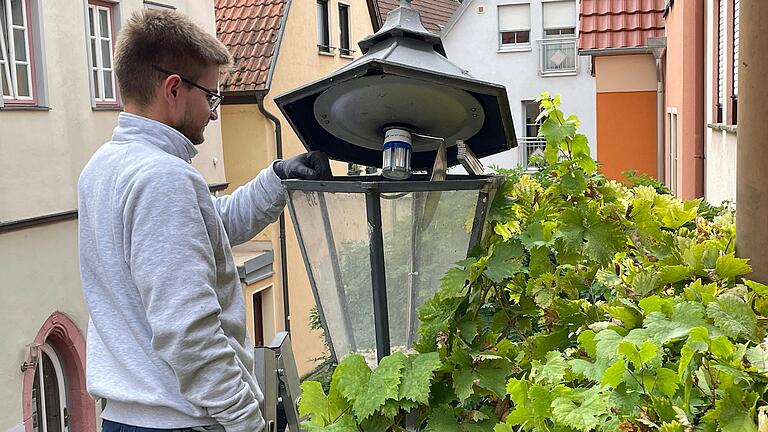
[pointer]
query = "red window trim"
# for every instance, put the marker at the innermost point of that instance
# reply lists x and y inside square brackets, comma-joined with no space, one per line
[30,43]
[65,337]
[118,102]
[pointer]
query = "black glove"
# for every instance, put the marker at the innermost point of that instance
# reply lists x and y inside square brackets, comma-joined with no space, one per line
[308,166]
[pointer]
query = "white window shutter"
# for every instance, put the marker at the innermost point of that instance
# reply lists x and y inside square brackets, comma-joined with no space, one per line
[514,17]
[721,29]
[736,13]
[559,14]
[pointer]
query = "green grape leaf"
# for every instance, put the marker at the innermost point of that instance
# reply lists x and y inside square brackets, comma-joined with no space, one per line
[552,371]
[505,262]
[314,403]
[587,342]
[417,377]
[733,316]
[442,419]
[666,381]
[383,384]
[697,291]
[614,374]
[492,376]
[637,357]
[607,343]
[758,358]
[603,241]
[573,183]
[353,376]
[728,267]
[686,355]
[582,413]
[453,281]
[674,273]
[463,381]
[687,315]
[376,423]
[721,348]
[760,289]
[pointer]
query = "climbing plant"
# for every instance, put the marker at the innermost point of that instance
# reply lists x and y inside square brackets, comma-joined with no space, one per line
[591,305]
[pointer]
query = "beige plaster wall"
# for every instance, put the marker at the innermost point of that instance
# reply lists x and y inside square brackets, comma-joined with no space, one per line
[625,73]
[249,145]
[40,275]
[43,152]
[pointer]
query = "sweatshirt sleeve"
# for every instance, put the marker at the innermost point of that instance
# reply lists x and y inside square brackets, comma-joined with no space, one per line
[170,238]
[251,207]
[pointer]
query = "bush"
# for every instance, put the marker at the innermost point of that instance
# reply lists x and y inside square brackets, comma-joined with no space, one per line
[589,306]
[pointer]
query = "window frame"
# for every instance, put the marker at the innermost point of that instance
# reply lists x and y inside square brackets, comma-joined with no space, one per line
[97,65]
[574,28]
[513,46]
[345,51]
[326,31]
[31,55]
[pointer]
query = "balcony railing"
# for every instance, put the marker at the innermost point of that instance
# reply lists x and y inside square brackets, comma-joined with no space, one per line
[558,56]
[530,146]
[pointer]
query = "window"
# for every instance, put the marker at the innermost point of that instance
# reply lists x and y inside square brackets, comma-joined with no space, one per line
[16,64]
[673,147]
[559,19]
[515,26]
[559,46]
[531,144]
[344,30]
[258,320]
[323,25]
[735,88]
[49,394]
[721,35]
[100,43]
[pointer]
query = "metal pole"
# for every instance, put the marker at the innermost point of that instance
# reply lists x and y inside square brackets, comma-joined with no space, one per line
[751,175]
[414,267]
[378,273]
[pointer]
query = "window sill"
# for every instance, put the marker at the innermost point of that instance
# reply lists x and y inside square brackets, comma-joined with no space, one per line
[559,74]
[345,56]
[521,48]
[106,108]
[24,108]
[723,127]
[327,54]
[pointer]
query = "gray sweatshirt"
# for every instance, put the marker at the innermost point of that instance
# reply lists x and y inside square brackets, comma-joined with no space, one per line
[167,345]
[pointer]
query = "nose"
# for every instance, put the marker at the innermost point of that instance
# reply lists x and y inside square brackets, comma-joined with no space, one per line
[214,114]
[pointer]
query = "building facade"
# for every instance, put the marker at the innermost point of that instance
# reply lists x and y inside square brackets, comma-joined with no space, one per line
[721,97]
[59,104]
[529,46]
[616,38]
[280,45]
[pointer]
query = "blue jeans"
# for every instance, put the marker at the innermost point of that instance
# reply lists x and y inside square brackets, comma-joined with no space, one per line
[110,426]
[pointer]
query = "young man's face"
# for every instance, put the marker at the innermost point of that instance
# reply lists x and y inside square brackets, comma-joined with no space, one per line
[197,110]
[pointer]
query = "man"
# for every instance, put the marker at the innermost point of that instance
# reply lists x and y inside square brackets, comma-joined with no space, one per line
[167,342]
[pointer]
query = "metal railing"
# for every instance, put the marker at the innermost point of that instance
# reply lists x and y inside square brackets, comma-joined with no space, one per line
[558,56]
[530,146]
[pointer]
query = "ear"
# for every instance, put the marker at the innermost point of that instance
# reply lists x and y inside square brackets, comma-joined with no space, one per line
[170,88]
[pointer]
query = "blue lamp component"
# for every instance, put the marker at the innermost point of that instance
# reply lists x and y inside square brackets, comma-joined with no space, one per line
[396,161]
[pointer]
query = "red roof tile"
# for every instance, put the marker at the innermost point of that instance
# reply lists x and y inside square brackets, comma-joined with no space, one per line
[434,13]
[250,29]
[619,23]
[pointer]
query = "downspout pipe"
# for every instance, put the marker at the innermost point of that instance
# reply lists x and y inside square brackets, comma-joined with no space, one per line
[658,46]
[281,220]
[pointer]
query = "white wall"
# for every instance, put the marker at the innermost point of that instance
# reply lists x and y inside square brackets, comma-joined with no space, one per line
[473,43]
[720,146]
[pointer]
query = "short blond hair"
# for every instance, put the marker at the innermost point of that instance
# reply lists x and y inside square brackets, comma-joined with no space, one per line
[167,39]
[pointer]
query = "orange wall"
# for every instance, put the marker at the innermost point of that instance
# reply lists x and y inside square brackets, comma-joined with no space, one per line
[626,132]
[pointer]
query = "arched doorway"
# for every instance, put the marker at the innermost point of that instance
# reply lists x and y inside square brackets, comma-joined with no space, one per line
[55,398]
[49,393]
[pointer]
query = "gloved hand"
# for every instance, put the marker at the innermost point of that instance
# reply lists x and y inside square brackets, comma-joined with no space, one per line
[308,166]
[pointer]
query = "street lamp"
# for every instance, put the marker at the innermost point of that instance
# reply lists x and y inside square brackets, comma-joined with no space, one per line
[376,246]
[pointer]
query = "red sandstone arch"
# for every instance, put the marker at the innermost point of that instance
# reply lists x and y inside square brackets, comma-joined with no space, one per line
[63,335]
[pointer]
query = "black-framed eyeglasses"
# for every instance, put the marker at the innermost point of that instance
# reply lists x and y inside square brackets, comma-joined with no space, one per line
[214,99]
